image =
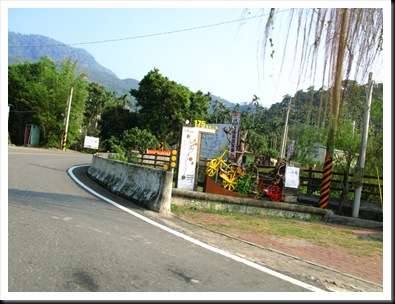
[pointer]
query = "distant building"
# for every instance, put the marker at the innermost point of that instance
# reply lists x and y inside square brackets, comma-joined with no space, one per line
[319,153]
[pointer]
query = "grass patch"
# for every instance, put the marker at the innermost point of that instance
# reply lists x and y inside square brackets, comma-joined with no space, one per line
[318,233]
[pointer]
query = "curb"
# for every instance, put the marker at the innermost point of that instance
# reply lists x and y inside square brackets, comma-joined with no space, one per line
[185,197]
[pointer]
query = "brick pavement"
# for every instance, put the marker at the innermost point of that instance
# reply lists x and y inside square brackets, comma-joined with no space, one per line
[316,265]
[369,268]
[365,267]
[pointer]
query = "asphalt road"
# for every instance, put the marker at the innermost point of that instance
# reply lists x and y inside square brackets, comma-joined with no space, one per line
[62,238]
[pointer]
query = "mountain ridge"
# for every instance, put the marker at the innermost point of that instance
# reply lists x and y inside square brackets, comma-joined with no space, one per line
[30,47]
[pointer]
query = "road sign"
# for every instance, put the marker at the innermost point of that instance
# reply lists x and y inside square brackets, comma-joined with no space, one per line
[173,158]
[91,142]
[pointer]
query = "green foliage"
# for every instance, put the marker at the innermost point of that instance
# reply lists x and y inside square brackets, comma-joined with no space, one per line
[307,137]
[115,119]
[271,152]
[221,114]
[375,145]
[97,98]
[165,105]
[38,93]
[348,142]
[245,183]
[136,139]
[257,143]
[133,139]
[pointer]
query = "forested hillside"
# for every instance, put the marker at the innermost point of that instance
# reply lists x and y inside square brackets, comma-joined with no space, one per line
[99,110]
[40,46]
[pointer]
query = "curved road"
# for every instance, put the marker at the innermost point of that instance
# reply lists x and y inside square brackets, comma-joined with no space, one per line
[62,238]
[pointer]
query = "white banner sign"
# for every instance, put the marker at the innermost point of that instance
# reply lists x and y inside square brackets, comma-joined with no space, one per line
[189,148]
[291,177]
[91,142]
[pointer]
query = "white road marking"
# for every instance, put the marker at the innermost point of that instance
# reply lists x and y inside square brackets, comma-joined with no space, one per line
[194,241]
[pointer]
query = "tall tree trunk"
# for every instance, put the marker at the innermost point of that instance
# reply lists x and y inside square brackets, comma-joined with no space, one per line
[335,101]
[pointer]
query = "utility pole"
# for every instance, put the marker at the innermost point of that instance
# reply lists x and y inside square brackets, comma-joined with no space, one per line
[360,170]
[67,120]
[282,153]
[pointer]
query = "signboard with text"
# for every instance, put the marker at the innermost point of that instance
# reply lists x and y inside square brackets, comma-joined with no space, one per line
[211,144]
[91,142]
[291,177]
[189,155]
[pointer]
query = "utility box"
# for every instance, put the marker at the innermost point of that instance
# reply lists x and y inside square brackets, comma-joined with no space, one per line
[32,136]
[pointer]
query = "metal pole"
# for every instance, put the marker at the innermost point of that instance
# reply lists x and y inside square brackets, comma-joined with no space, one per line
[285,131]
[67,120]
[360,172]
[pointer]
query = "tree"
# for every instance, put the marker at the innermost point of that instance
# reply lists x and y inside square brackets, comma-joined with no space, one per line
[97,99]
[220,113]
[38,93]
[115,119]
[374,154]
[136,139]
[349,35]
[165,105]
[348,143]
[255,104]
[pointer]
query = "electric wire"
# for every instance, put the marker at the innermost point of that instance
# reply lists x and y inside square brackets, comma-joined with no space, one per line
[143,36]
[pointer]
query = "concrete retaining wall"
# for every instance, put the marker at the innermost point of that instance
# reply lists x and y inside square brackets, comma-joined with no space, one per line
[246,205]
[147,187]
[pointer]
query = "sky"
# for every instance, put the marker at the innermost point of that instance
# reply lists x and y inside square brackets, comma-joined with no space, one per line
[211,48]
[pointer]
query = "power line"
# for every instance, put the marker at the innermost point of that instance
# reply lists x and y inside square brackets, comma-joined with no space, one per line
[142,36]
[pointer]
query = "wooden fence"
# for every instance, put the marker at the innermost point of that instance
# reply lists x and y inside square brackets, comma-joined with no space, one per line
[372,186]
[150,160]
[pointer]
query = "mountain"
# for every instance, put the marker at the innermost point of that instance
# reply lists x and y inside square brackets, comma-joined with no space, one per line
[39,46]
[57,51]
